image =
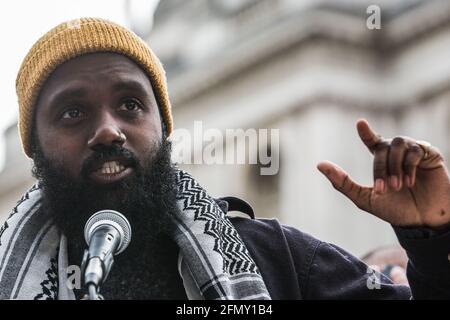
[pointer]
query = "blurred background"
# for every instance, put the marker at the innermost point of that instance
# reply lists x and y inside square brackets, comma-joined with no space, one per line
[309,68]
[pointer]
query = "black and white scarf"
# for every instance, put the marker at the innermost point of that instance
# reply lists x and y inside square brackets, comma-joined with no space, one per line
[213,261]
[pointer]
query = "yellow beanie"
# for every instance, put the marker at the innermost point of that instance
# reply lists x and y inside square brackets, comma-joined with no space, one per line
[74,38]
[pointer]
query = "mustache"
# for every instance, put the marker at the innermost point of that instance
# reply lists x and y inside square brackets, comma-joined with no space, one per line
[102,152]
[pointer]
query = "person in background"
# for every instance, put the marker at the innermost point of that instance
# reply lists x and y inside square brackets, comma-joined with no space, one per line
[390,261]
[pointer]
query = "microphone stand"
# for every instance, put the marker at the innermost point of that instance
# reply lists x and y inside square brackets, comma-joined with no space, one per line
[93,291]
[93,294]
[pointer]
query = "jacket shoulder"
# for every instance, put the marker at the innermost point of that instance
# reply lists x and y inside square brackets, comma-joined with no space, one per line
[282,253]
[265,231]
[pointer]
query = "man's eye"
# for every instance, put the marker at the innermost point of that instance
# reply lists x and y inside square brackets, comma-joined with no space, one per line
[72,114]
[130,105]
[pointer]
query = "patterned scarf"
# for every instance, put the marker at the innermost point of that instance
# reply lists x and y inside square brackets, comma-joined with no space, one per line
[213,258]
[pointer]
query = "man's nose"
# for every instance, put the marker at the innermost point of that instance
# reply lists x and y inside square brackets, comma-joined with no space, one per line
[107,133]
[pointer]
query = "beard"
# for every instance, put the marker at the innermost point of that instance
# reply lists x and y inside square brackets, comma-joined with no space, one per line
[147,197]
[147,269]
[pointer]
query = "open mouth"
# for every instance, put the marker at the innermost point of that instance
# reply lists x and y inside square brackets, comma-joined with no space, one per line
[111,170]
[111,167]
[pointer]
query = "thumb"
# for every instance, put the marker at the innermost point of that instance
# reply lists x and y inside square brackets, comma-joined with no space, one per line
[341,181]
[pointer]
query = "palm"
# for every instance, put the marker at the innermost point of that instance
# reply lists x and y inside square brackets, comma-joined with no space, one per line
[411,206]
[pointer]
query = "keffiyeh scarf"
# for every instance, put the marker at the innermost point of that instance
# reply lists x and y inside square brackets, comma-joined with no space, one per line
[213,259]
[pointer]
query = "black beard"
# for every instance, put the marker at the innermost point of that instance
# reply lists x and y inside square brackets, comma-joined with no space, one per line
[147,198]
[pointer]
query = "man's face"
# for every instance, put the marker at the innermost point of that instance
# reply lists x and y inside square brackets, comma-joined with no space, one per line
[93,101]
[99,145]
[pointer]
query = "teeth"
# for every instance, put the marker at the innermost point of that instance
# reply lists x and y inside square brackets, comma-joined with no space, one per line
[111,167]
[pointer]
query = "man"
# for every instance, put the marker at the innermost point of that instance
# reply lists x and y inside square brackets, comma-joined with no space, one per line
[95,117]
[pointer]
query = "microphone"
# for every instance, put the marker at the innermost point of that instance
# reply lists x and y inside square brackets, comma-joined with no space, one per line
[107,233]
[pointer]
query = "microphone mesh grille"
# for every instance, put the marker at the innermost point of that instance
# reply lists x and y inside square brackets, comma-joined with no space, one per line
[106,216]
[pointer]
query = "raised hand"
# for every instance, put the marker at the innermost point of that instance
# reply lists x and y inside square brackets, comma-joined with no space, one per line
[411,183]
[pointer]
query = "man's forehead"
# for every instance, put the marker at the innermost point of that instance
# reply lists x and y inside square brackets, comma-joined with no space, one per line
[78,74]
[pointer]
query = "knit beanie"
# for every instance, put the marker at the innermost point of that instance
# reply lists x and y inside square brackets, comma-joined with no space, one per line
[74,38]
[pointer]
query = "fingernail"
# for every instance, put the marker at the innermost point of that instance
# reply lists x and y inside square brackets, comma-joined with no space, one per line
[408,181]
[379,185]
[394,182]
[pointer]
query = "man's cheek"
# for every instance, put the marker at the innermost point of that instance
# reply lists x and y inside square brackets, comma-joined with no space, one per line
[66,165]
[66,157]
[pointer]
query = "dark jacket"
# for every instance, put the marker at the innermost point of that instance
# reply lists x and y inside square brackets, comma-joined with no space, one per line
[295,265]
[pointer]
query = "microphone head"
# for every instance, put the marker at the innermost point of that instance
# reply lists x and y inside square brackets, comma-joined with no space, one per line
[110,218]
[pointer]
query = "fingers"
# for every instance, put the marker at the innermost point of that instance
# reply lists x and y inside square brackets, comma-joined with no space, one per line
[395,164]
[380,167]
[413,158]
[432,157]
[394,167]
[341,181]
[367,135]
[396,159]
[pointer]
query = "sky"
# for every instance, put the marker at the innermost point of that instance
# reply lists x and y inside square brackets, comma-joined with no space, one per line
[22,22]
